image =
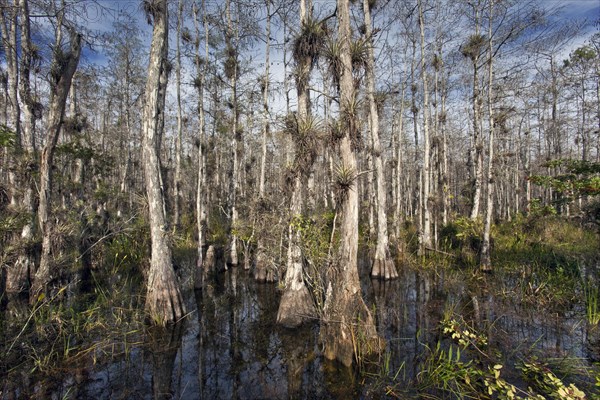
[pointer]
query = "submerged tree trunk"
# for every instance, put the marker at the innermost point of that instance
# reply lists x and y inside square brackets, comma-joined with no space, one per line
[164,303]
[62,71]
[296,304]
[347,328]
[231,71]
[383,264]
[201,188]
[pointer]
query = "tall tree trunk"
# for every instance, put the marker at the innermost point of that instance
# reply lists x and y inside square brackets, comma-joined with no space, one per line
[399,159]
[179,140]
[383,264]
[485,261]
[262,273]
[8,19]
[296,305]
[425,233]
[415,114]
[234,184]
[473,51]
[17,277]
[62,71]
[347,329]
[201,187]
[163,299]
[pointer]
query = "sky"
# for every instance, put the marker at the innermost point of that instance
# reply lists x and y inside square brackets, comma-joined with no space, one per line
[98,17]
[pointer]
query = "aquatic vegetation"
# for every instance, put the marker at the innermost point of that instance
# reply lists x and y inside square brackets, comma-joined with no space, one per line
[463,369]
[546,382]
[592,310]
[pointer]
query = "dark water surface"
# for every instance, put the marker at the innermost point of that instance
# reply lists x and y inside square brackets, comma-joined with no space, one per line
[229,346]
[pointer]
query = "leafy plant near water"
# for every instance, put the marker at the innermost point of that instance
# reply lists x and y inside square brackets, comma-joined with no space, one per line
[315,243]
[546,382]
[463,369]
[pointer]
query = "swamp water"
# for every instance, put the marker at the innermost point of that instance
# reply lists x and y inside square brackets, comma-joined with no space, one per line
[229,346]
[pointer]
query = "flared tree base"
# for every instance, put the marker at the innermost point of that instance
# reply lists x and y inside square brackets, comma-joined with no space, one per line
[262,273]
[384,269]
[348,332]
[296,307]
[164,303]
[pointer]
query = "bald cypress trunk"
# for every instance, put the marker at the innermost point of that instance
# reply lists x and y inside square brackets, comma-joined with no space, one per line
[473,50]
[62,71]
[163,299]
[485,261]
[425,231]
[231,71]
[262,272]
[179,140]
[8,19]
[296,304]
[17,276]
[201,189]
[347,329]
[383,264]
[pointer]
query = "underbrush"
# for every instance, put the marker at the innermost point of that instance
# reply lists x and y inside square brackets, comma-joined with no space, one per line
[547,262]
[82,323]
[463,364]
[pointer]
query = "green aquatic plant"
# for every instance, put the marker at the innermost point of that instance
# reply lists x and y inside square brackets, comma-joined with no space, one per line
[464,370]
[592,312]
[548,384]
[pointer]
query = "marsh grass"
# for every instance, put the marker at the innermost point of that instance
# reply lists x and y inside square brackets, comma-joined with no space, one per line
[74,329]
[592,312]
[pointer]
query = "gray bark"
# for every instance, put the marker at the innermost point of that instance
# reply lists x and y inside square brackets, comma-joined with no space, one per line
[201,188]
[8,20]
[296,304]
[477,145]
[485,261]
[164,303]
[178,143]
[234,184]
[425,233]
[347,328]
[17,277]
[261,272]
[62,71]
[383,264]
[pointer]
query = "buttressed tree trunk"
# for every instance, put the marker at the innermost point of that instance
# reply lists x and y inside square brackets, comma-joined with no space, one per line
[347,325]
[296,304]
[163,300]
[62,70]
[383,264]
